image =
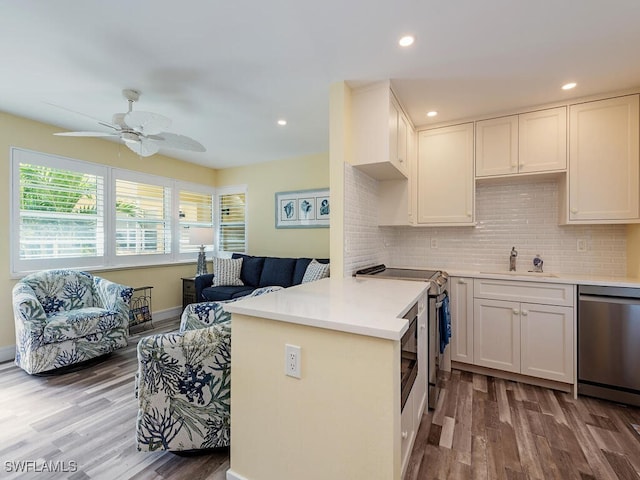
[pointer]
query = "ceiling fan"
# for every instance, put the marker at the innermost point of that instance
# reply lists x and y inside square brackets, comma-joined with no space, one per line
[142,132]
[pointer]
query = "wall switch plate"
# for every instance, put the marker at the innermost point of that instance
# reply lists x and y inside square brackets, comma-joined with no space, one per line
[292,360]
[434,243]
[582,245]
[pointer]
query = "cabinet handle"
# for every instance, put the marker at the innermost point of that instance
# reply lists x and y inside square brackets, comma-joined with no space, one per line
[462,282]
[422,327]
[468,214]
[400,160]
[405,435]
[516,311]
[525,313]
[514,165]
[521,165]
[574,210]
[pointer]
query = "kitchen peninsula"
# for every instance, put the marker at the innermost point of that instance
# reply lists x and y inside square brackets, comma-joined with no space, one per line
[342,417]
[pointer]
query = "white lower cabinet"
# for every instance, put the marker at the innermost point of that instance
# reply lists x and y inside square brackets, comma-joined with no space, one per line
[417,401]
[546,342]
[534,336]
[407,431]
[461,305]
[496,342]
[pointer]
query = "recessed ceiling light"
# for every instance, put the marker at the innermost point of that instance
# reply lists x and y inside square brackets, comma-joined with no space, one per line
[569,86]
[406,41]
[432,113]
[282,122]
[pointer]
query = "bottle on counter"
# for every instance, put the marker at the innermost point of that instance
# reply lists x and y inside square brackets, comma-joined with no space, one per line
[537,264]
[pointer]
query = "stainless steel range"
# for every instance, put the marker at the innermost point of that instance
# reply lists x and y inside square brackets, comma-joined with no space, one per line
[436,345]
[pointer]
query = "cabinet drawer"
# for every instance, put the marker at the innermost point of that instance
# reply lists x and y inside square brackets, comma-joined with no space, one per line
[189,287]
[531,292]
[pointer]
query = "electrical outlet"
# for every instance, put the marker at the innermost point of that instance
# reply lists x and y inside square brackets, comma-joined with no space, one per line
[434,243]
[582,245]
[292,360]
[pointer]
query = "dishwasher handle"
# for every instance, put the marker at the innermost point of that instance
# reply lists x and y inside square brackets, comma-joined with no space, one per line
[616,300]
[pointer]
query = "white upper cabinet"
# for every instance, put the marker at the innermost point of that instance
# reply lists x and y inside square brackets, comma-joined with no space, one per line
[542,141]
[532,142]
[445,188]
[603,161]
[380,132]
[497,146]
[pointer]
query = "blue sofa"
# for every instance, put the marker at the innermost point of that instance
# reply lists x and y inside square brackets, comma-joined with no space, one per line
[256,272]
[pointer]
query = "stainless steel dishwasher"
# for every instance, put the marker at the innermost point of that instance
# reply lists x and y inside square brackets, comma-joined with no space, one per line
[609,343]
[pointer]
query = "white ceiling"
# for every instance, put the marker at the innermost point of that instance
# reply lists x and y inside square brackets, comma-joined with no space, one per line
[225,72]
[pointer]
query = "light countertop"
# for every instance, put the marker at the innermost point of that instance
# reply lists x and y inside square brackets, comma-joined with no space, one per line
[372,307]
[550,277]
[524,275]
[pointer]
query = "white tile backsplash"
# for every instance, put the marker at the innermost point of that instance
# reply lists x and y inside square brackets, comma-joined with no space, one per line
[520,214]
[363,239]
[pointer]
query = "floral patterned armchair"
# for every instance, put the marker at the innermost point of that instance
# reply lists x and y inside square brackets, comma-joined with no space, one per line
[183,382]
[63,317]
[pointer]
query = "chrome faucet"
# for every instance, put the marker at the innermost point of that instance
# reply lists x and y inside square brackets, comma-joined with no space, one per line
[512,259]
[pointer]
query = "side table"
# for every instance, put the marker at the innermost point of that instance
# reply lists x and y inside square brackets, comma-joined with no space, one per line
[188,291]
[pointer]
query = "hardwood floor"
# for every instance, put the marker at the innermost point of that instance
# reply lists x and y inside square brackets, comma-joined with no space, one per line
[483,428]
[87,417]
[488,428]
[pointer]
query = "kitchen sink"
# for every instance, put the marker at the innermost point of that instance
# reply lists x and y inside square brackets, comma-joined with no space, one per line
[522,274]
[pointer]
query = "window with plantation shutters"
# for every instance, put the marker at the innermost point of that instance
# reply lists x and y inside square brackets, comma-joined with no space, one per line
[68,213]
[143,218]
[232,234]
[57,212]
[196,221]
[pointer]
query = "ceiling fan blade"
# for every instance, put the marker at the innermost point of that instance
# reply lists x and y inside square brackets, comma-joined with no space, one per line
[147,122]
[181,142]
[87,134]
[144,148]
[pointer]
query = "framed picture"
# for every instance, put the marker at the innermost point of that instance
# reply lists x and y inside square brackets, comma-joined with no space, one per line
[303,209]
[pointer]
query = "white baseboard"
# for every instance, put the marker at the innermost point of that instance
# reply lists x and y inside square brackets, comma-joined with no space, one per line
[7,353]
[160,317]
[231,475]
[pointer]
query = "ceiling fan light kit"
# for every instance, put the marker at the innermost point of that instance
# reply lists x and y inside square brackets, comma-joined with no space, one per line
[141,132]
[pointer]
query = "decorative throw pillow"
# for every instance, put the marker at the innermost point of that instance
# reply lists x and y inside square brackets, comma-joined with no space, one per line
[315,271]
[226,272]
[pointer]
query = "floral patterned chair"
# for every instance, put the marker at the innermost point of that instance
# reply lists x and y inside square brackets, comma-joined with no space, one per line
[64,317]
[183,382]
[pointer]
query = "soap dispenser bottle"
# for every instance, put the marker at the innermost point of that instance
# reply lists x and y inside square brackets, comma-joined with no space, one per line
[537,264]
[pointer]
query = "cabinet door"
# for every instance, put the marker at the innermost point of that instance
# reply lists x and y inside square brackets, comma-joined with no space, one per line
[547,341]
[496,334]
[445,176]
[461,299]
[497,146]
[603,160]
[412,172]
[374,120]
[402,151]
[543,141]
[407,431]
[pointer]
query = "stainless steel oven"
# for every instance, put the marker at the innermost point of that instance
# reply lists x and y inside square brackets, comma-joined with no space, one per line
[409,355]
[439,282]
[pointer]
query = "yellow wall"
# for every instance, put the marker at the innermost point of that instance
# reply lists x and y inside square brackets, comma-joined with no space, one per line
[341,420]
[340,152]
[263,181]
[24,133]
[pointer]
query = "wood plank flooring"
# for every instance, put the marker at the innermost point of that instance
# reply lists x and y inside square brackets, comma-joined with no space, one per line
[488,428]
[483,428]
